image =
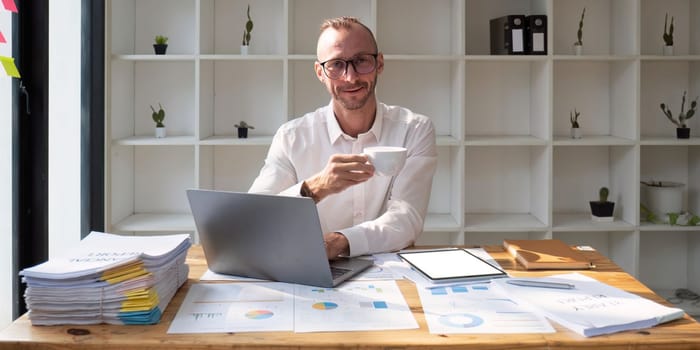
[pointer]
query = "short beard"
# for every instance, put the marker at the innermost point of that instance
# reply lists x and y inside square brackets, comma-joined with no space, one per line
[352,105]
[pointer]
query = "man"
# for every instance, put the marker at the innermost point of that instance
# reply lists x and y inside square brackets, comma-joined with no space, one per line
[320,154]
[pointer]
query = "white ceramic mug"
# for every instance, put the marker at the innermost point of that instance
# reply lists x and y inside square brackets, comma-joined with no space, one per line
[387,161]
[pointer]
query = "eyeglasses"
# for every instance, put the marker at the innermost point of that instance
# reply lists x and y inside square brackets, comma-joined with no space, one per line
[362,64]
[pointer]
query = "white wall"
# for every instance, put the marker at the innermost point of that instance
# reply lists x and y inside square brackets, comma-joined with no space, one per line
[5,176]
[64,141]
[64,124]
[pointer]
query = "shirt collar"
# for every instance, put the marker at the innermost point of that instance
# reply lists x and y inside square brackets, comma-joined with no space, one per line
[335,132]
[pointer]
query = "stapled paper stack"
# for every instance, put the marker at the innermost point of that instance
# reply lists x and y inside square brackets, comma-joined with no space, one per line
[108,278]
[589,307]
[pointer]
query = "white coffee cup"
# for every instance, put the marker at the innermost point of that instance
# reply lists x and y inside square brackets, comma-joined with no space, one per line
[387,161]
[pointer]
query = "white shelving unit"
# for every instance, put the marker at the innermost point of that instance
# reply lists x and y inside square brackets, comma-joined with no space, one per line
[506,165]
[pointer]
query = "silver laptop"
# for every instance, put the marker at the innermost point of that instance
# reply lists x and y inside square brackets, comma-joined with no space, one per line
[269,237]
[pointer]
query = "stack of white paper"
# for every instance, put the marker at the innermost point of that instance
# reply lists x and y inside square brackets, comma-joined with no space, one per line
[108,278]
[590,308]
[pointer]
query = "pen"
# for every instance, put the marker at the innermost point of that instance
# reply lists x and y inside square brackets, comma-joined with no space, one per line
[541,284]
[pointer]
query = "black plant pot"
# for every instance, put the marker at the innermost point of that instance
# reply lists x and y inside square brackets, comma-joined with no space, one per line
[160,48]
[602,209]
[242,133]
[683,133]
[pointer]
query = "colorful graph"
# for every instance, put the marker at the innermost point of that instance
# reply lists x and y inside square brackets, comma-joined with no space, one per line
[259,314]
[374,304]
[461,320]
[324,305]
[206,315]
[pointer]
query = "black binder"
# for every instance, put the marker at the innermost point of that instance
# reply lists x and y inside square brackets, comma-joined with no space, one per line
[536,34]
[508,35]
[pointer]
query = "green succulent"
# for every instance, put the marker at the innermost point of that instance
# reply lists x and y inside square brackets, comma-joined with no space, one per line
[158,116]
[573,117]
[248,29]
[683,116]
[244,125]
[579,33]
[668,35]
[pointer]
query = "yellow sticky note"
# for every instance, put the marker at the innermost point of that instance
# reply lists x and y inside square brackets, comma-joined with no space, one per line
[9,64]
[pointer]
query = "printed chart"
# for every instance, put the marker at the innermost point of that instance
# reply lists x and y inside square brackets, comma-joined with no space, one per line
[239,307]
[475,308]
[354,306]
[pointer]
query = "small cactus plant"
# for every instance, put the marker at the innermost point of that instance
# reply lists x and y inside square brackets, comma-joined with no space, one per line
[573,117]
[248,29]
[668,35]
[682,116]
[243,129]
[161,40]
[602,210]
[579,33]
[158,116]
[603,194]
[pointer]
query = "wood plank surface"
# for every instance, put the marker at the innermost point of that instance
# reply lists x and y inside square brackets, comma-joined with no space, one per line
[679,334]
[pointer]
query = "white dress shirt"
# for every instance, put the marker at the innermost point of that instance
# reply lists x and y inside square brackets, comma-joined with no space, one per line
[372,219]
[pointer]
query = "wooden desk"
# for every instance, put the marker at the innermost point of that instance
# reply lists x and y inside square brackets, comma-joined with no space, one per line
[679,334]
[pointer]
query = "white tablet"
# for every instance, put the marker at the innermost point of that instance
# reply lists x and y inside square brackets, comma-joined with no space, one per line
[450,265]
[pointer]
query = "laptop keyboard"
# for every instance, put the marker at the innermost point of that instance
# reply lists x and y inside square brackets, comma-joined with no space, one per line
[338,271]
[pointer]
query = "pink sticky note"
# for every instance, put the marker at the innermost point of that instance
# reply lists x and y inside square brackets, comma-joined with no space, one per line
[10,5]
[2,38]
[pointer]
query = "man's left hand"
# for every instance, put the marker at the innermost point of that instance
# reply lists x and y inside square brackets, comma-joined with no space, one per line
[336,244]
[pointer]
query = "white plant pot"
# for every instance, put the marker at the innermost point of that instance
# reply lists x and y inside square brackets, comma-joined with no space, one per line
[664,199]
[244,49]
[576,133]
[668,50]
[160,132]
[578,50]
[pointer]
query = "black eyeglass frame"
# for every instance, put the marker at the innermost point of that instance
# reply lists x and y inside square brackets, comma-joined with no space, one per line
[347,63]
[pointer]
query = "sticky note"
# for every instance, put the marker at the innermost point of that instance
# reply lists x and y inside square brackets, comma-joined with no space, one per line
[10,5]
[2,38]
[9,64]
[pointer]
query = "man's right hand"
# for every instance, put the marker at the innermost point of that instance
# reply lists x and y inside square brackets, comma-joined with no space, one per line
[341,172]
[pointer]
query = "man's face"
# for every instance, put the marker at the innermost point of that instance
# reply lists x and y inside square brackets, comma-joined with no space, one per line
[351,91]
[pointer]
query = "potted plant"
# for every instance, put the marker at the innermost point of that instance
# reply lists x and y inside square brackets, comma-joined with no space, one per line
[661,198]
[578,45]
[243,129]
[602,209]
[246,34]
[161,44]
[668,37]
[575,129]
[682,129]
[158,117]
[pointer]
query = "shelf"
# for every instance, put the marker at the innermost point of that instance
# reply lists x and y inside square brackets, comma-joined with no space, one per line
[506,222]
[669,141]
[440,223]
[592,140]
[507,166]
[153,141]
[515,140]
[235,141]
[156,223]
[646,226]
[157,58]
[583,222]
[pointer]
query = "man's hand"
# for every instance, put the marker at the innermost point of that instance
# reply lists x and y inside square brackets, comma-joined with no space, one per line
[336,244]
[341,172]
